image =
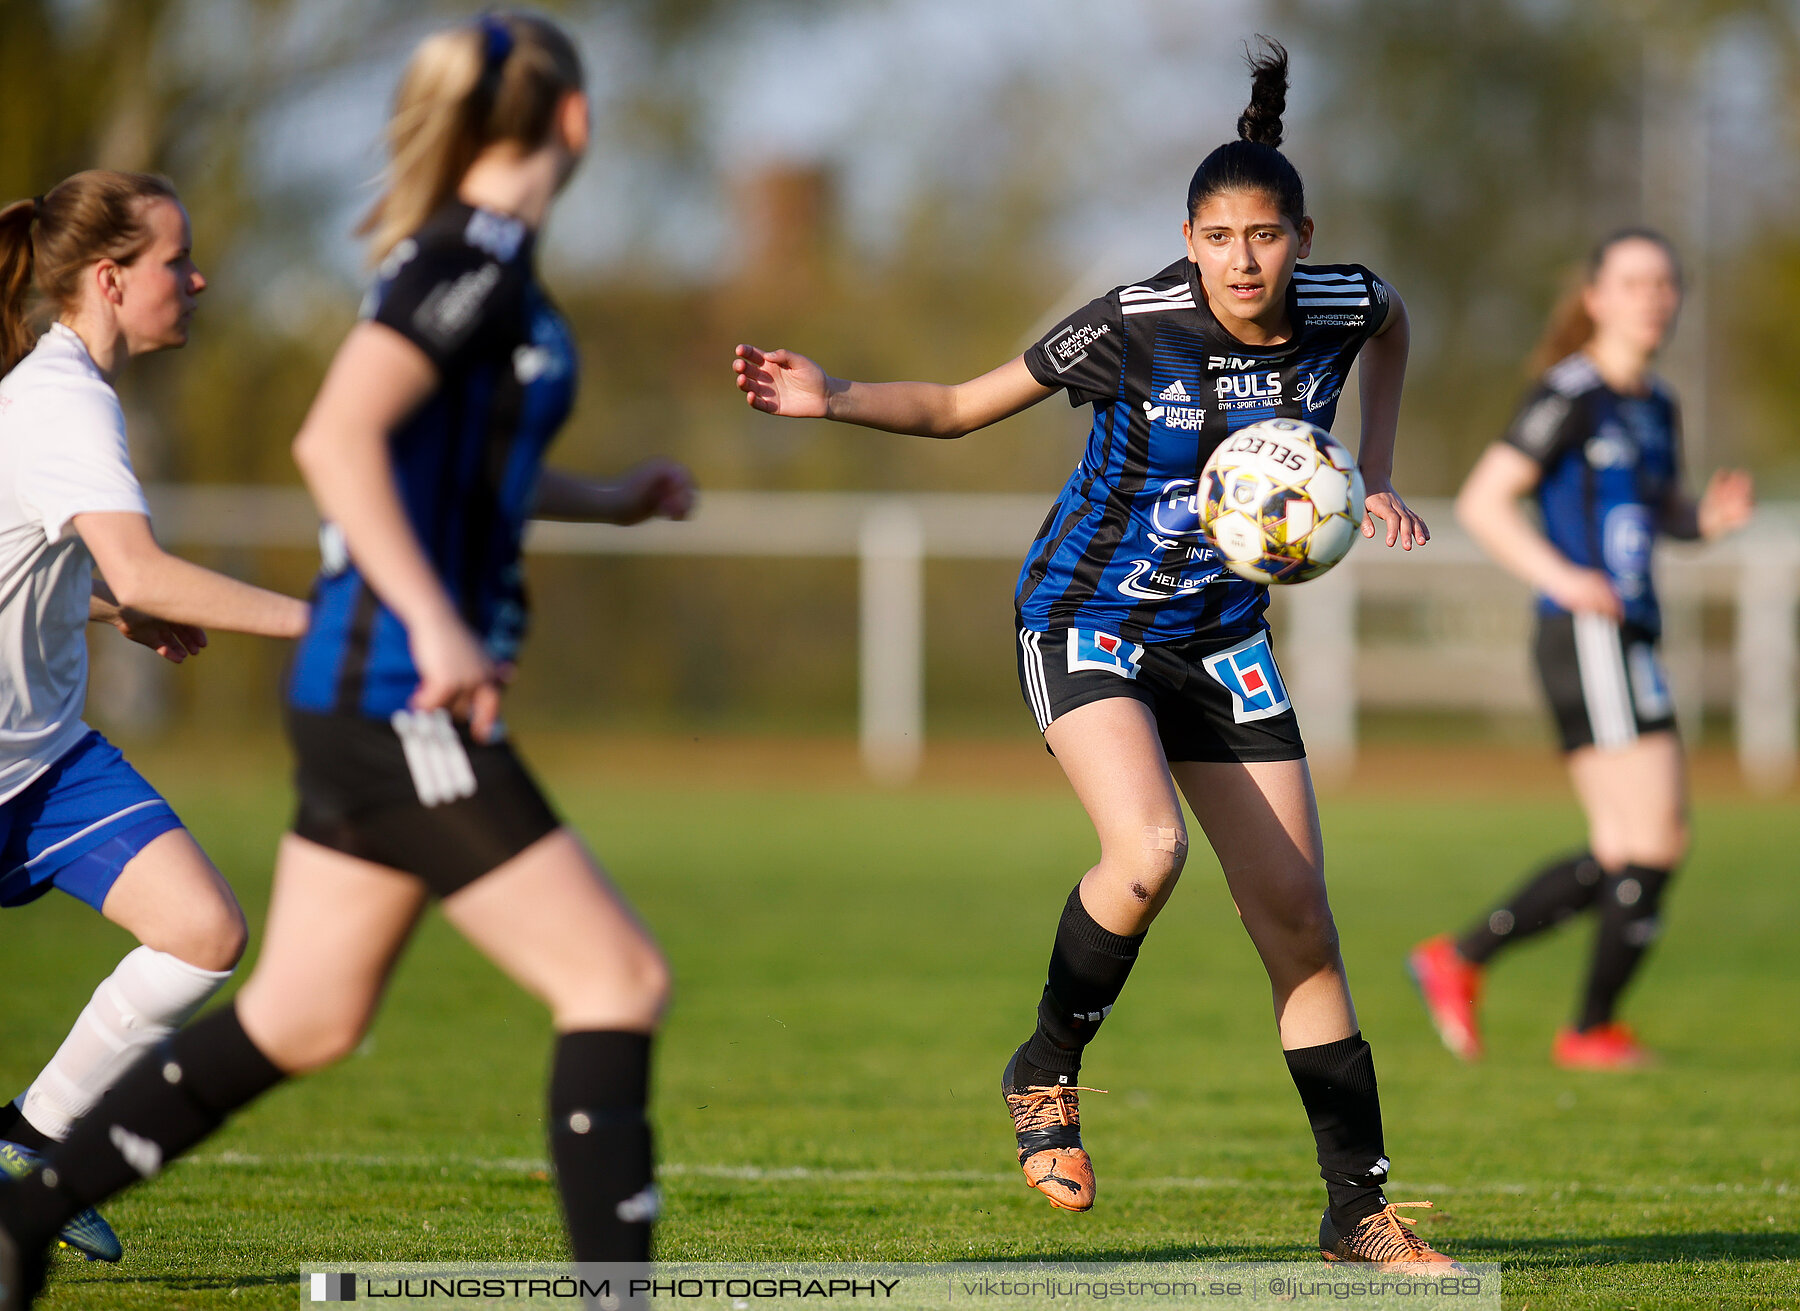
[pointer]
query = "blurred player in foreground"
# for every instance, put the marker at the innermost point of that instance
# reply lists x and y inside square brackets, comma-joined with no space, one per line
[1148,666]
[424,451]
[109,255]
[1597,445]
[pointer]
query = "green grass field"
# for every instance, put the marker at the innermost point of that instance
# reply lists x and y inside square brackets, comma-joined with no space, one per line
[853,969]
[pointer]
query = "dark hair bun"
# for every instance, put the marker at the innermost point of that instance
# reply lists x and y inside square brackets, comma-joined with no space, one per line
[1261,122]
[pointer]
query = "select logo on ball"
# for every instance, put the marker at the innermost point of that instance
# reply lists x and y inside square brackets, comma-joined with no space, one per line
[1281,500]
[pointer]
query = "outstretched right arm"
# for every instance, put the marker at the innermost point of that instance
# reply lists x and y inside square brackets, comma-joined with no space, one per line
[782,382]
[143,577]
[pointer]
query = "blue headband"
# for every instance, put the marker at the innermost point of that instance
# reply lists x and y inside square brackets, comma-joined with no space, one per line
[497,41]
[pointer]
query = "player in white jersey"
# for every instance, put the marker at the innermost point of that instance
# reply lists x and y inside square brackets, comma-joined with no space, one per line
[431,424]
[109,256]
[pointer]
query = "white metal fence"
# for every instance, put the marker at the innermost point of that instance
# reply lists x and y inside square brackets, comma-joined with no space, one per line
[1437,629]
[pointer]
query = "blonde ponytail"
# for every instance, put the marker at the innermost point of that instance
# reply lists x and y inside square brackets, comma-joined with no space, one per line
[466,88]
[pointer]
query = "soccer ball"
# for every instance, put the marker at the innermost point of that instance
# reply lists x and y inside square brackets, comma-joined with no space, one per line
[1281,500]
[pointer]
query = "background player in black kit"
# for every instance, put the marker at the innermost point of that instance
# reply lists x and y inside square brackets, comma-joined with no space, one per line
[424,449]
[1127,621]
[1598,445]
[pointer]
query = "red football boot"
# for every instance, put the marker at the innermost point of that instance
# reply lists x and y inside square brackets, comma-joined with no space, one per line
[1450,987]
[1605,1047]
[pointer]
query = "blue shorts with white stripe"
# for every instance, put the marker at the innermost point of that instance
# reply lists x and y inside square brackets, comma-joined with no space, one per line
[77,826]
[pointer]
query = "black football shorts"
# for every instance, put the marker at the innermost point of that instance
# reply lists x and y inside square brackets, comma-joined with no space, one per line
[1215,699]
[1604,681]
[416,793]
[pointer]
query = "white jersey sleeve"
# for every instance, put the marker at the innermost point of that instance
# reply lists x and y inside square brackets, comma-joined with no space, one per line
[78,462]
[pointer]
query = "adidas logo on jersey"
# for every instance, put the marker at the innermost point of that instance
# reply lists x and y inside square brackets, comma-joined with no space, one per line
[1173,392]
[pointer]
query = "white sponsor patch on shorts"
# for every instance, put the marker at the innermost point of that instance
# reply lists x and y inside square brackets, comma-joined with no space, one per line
[1248,672]
[1089,649]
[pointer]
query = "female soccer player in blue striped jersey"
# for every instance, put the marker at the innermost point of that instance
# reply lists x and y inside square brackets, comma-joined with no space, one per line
[1597,444]
[424,450]
[1147,664]
[109,254]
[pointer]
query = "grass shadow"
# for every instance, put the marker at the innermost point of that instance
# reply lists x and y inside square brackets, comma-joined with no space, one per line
[178,1283]
[1528,1253]
[1630,1249]
[1235,1252]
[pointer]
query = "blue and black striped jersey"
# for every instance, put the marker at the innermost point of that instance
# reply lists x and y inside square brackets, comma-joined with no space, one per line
[1610,466]
[1121,550]
[463,290]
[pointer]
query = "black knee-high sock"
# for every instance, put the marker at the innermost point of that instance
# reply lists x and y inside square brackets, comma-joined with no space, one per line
[15,1128]
[600,1142]
[1543,901]
[1088,969]
[177,1094]
[1337,1086]
[1629,903]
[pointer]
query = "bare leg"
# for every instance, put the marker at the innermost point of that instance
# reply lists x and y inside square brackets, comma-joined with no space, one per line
[1635,799]
[1114,760]
[336,927]
[171,898]
[1263,824]
[1111,753]
[552,921]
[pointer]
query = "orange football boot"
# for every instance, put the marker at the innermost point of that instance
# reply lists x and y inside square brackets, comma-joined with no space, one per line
[1385,1240]
[1047,1121]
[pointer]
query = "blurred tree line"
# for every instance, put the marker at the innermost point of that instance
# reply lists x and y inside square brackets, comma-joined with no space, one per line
[1470,151]
[1480,149]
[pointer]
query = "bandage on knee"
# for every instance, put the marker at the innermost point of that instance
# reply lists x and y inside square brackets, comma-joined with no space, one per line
[1162,838]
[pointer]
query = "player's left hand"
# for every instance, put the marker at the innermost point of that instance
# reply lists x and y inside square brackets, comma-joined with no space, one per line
[1727,503]
[173,642]
[657,488]
[1403,526]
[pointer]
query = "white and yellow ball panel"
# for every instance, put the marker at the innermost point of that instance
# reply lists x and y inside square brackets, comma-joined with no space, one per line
[1281,500]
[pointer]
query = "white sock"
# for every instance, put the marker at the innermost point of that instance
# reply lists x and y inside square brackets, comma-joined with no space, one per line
[147,998]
